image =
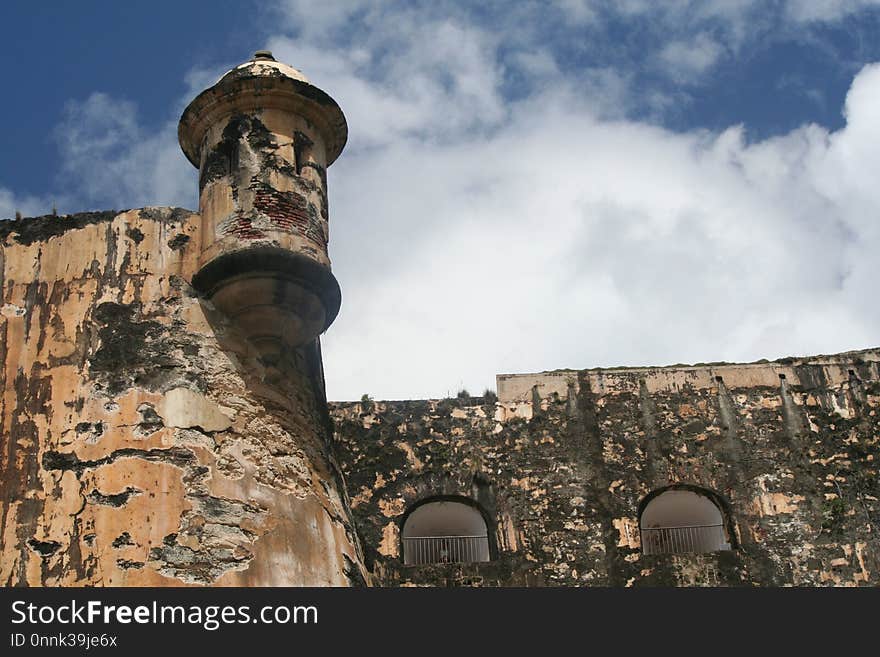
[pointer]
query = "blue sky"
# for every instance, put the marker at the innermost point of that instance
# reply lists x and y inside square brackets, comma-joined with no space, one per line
[527,185]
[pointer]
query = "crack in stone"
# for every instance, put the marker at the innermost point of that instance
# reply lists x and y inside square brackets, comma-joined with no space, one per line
[44,548]
[116,499]
[67,461]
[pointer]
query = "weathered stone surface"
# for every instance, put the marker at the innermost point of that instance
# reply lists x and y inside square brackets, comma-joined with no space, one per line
[184,408]
[144,443]
[562,460]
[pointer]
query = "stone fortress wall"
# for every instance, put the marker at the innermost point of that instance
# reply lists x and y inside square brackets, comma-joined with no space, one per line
[562,463]
[144,440]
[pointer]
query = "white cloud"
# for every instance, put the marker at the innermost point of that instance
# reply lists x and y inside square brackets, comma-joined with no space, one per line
[563,240]
[579,11]
[28,206]
[107,157]
[691,37]
[316,21]
[407,76]
[826,10]
[689,59]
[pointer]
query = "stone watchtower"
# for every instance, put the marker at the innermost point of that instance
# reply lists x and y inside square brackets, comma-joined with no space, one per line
[163,411]
[262,139]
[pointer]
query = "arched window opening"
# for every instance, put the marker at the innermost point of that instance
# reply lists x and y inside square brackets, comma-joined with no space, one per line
[444,532]
[682,521]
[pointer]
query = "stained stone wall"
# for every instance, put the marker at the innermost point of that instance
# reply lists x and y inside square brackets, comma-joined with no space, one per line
[562,463]
[143,442]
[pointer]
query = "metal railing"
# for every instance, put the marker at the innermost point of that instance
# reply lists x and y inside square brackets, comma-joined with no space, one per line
[691,539]
[444,549]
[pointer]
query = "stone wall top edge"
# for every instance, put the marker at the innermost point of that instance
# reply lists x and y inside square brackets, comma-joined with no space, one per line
[28,230]
[91,214]
[872,353]
[514,387]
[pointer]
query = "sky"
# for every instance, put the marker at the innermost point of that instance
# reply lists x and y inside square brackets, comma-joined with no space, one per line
[527,186]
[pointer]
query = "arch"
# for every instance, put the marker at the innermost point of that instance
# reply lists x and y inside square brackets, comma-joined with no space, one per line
[685,519]
[445,529]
